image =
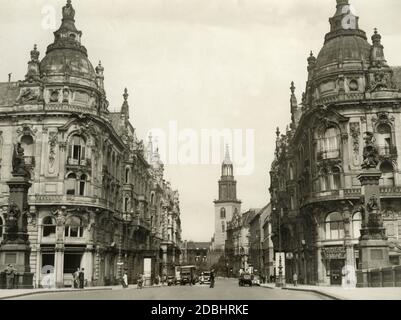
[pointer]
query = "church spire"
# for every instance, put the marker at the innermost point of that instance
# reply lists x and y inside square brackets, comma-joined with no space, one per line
[227,159]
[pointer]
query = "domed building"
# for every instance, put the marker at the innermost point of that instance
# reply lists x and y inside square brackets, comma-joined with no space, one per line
[97,200]
[351,90]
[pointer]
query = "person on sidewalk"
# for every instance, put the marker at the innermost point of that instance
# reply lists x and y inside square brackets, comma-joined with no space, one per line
[125,280]
[75,276]
[212,279]
[82,278]
[10,276]
[139,281]
[295,279]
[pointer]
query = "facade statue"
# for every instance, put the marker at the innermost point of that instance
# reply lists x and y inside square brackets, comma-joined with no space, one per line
[12,217]
[18,161]
[370,153]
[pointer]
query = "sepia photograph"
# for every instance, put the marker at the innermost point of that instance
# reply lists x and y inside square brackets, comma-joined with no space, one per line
[216,152]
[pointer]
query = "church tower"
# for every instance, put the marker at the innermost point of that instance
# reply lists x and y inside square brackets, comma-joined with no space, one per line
[227,204]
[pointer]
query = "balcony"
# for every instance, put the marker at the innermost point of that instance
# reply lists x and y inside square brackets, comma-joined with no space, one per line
[390,191]
[387,150]
[328,154]
[81,162]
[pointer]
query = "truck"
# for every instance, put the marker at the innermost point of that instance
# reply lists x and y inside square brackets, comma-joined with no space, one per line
[188,275]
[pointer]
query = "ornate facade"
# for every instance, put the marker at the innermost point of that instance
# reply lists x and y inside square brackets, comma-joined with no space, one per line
[98,199]
[351,93]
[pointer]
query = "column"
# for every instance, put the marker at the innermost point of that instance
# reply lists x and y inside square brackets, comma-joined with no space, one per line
[88,263]
[59,266]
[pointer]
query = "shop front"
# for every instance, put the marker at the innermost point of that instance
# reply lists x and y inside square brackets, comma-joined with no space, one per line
[334,259]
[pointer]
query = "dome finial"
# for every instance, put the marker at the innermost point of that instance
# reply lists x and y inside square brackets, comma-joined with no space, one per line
[68,11]
[125,95]
[35,53]
[292,87]
[376,38]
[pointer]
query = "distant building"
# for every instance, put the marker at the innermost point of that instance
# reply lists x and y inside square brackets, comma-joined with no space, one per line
[227,204]
[237,249]
[197,254]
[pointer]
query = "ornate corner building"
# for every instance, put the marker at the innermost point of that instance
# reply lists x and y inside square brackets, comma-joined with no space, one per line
[351,91]
[98,199]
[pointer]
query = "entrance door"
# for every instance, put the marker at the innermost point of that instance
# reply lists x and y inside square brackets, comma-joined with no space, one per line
[336,271]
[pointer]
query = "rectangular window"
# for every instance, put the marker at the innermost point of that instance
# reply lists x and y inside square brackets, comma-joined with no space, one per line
[47,259]
[71,262]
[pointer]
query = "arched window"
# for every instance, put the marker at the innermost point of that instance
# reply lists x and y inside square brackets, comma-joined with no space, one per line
[1,227]
[356,225]
[336,173]
[126,204]
[71,183]
[387,178]
[127,175]
[49,227]
[76,150]
[329,146]
[334,226]
[223,213]
[73,227]
[383,139]
[324,180]
[82,183]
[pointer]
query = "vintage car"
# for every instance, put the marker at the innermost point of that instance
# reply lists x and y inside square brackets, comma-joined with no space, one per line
[245,279]
[205,277]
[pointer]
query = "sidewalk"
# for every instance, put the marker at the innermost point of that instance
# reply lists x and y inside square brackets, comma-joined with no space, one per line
[339,293]
[15,293]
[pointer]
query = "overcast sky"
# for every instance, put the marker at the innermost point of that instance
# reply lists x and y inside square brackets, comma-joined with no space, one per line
[207,64]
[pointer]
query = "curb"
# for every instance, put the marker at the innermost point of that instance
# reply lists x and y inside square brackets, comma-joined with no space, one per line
[50,291]
[322,293]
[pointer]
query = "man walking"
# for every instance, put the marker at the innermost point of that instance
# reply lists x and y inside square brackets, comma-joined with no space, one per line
[212,279]
[295,279]
[82,278]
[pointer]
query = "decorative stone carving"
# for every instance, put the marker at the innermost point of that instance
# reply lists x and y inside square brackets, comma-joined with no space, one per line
[18,161]
[54,95]
[28,95]
[370,152]
[26,130]
[355,131]
[32,216]
[52,145]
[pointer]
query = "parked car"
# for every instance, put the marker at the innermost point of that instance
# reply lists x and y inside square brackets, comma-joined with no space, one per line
[245,279]
[256,281]
[171,281]
[205,277]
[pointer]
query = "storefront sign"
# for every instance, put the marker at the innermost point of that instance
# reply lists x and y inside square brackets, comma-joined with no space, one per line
[332,253]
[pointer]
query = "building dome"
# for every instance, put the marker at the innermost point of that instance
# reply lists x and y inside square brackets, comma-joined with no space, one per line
[67,57]
[344,48]
[67,61]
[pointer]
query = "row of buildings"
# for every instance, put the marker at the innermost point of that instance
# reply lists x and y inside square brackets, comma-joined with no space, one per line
[98,199]
[351,94]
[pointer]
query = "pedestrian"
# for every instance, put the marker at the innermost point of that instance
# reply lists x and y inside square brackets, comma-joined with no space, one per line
[295,279]
[125,280]
[139,281]
[10,276]
[81,277]
[75,276]
[212,279]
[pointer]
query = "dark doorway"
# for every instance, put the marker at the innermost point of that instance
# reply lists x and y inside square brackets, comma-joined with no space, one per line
[336,267]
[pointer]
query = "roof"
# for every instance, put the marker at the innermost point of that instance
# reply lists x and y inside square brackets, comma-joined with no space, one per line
[9,92]
[198,245]
[115,118]
[248,216]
